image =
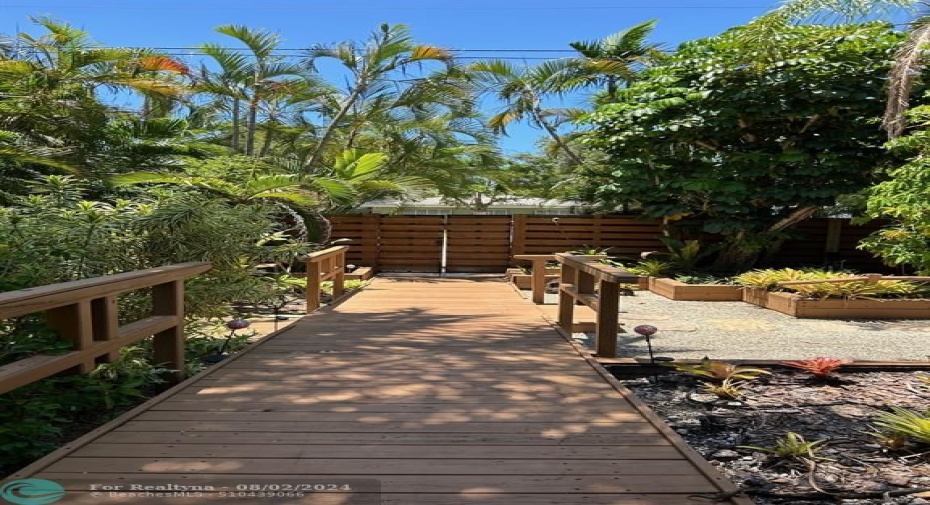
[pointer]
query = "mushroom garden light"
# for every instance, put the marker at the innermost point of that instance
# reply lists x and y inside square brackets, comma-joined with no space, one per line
[233,325]
[647,331]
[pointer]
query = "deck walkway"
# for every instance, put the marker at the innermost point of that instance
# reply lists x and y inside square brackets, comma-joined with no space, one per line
[435,392]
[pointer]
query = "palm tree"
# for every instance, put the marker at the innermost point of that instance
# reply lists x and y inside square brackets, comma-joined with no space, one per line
[609,63]
[51,86]
[251,79]
[372,67]
[521,90]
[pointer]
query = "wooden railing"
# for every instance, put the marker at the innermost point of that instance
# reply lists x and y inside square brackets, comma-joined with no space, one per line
[325,265]
[587,281]
[85,312]
[538,286]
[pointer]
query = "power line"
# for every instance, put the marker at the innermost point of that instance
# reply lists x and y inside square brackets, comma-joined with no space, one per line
[472,7]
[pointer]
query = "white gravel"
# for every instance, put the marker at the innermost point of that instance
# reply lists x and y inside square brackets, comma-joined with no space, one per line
[737,330]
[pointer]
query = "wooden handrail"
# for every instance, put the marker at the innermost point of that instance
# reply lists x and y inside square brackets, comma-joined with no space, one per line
[328,264]
[580,274]
[85,312]
[538,288]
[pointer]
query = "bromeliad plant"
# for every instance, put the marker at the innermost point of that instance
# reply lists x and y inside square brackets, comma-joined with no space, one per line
[904,423]
[821,368]
[720,371]
[727,390]
[792,446]
[768,279]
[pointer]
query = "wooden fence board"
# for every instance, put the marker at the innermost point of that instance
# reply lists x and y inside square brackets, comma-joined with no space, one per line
[488,243]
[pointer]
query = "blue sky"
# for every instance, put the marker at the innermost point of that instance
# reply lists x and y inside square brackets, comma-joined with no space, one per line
[517,26]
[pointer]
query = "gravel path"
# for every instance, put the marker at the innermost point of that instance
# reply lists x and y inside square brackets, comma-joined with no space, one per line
[737,330]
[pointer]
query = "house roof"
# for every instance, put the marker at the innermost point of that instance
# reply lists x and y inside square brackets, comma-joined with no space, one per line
[438,201]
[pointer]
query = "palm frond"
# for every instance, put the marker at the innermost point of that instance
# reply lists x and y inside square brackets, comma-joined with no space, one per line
[905,69]
[262,43]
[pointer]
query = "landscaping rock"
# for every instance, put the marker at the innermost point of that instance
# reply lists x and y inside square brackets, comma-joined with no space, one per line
[838,411]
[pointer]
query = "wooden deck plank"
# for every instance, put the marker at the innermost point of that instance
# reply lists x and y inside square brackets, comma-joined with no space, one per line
[274,438]
[440,392]
[82,498]
[102,450]
[466,484]
[365,467]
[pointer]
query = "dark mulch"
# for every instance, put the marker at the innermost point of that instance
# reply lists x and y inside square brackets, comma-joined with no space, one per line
[859,470]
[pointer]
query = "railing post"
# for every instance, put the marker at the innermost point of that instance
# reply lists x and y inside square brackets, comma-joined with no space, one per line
[168,345]
[566,300]
[608,309]
[584,284]
[106,323]
[539,281]
[313,285]
[339,278]
[75,323]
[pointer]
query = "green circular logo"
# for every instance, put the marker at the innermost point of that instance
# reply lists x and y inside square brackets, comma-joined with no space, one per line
[32,492]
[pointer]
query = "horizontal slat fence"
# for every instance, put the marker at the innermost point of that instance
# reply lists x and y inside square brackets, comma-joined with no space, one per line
[411,243]
[478,243]
[488,243]
[624,236]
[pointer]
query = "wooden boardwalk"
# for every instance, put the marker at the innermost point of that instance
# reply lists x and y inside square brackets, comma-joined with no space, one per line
[433,392]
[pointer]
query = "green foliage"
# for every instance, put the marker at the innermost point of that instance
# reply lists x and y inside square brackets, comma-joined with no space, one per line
[793,446]
[906,423]
[769,278]
[685,255]
[723,141]
[902,200]
[727,390]
[703,279]
[719,371]
[651,267]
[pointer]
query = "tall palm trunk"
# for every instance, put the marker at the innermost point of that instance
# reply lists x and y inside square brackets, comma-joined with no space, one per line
[541,121]
[236,127]
[251,124]
[331,127]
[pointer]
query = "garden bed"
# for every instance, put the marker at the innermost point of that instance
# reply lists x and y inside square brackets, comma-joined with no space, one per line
[676,290]
[858,470]
[794,305]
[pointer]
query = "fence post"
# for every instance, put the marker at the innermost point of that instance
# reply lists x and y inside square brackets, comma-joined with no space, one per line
[518,238]
[168,345]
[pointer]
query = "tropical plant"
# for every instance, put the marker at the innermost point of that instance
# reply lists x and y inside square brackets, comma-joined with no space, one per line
[249,80]
[703,279]
[389,51]
[522,90]
[651,268]
[719,371]
[792,446]
[720,140]
[903,422]
[611,63]
[769,279]
[821,367]
[728,389]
